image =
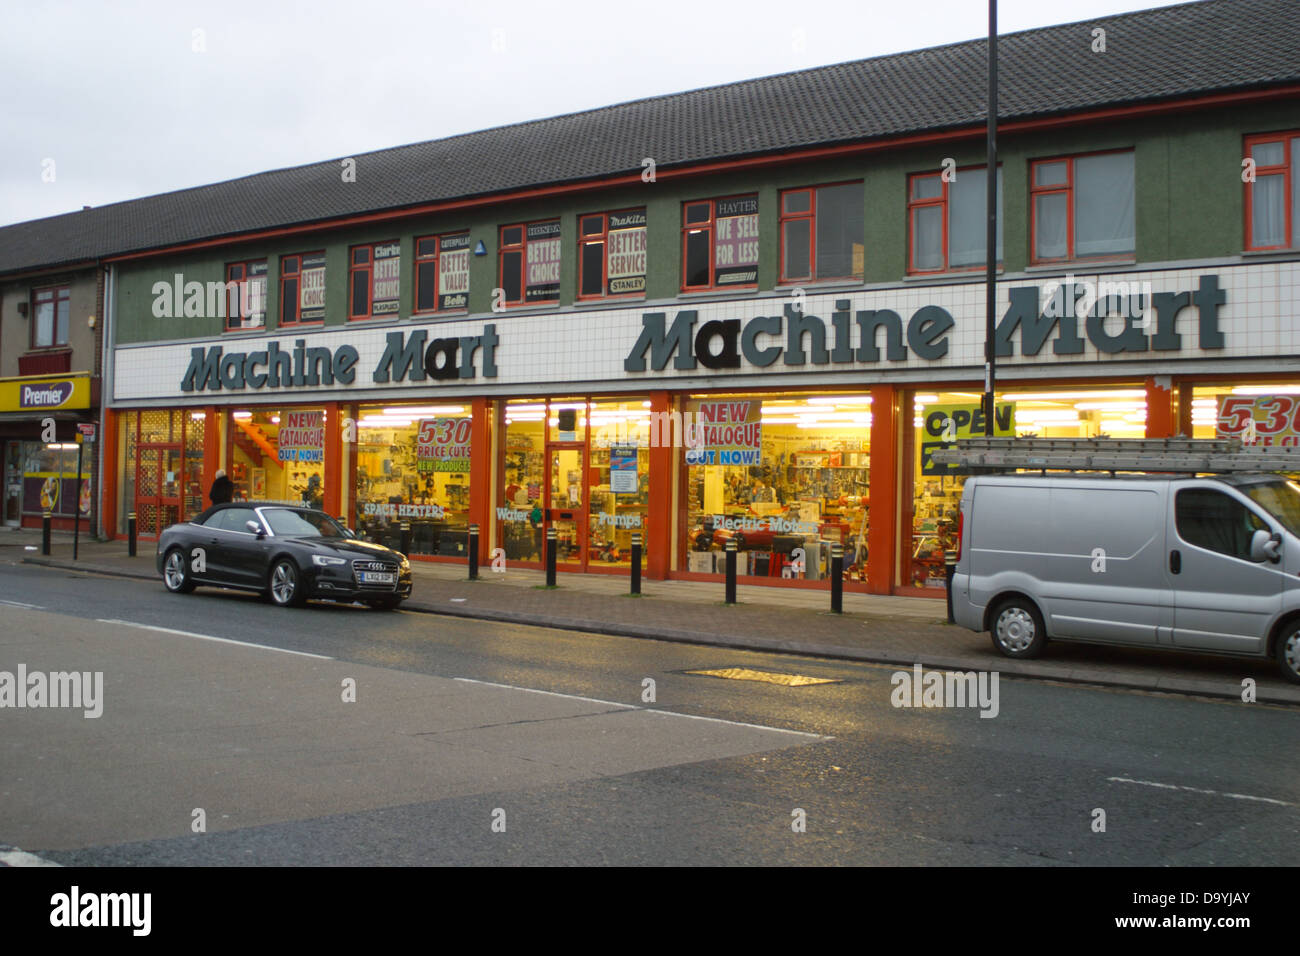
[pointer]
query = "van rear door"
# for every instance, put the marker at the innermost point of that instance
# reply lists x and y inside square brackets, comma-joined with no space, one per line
[1222,600]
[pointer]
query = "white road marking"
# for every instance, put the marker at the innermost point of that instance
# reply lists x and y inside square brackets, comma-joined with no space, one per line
[209,637]
[648,710]
[30,607]
[1213,793]
[12,856]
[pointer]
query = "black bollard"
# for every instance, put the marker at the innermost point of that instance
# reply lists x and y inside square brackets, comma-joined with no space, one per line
[45,534]
[550,557]
[405,542]
[949,569]
[130,535]
[837,579]
[731,571]
[473,552]
[636,562]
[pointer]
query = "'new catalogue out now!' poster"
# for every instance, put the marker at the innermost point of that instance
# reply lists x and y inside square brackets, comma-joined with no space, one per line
[302,436]
[724,433]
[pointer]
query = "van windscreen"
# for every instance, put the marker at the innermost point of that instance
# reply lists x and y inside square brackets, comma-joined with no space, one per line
[1280,498]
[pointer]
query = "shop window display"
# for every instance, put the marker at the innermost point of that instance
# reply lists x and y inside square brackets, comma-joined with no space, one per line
[939,418]
[278,455]
[785,476]
[413,466]
[619,496]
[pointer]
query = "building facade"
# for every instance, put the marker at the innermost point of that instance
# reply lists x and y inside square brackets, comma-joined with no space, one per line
[50,355]
[759,331]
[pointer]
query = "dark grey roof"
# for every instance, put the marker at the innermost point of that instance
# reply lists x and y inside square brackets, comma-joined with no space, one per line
[1170,52]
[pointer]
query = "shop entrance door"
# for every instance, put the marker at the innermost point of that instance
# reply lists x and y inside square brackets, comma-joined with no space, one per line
[157,488]
[13,484]
[566,500]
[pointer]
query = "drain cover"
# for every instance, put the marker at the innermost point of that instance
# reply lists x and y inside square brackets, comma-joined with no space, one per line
[767,677]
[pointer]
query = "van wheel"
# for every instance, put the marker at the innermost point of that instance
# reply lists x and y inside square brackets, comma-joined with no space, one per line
[1288,652]
[1017,629]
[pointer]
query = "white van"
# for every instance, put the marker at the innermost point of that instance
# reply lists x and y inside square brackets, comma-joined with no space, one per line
[1187,563]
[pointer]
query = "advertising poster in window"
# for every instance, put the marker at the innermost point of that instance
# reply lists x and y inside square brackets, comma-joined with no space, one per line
[311,295]
[442,444]
[622,469]
[726,432]
[302,436]
[384,291]
[453,272]
[735,256]
[625,254]
[1259,419]
[252,296]
[942,425]
[542,263]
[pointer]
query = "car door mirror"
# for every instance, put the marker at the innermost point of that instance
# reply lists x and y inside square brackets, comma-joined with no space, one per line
[253,528]
[1265,546]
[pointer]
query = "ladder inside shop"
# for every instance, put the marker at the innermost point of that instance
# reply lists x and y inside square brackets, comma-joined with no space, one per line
[1180,455]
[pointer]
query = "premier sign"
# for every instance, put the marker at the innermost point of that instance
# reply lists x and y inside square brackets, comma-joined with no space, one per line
[796,338]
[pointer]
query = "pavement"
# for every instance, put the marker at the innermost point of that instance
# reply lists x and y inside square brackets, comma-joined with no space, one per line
[873,628]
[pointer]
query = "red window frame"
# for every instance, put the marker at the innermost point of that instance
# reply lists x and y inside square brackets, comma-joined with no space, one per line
[940,200]
[57,293]
[709,225]
[239,272]
[294,261]
[361,265]
[1068,189]
[436,239]
[811,215]
[521,247]
[1290,239]
[602,236]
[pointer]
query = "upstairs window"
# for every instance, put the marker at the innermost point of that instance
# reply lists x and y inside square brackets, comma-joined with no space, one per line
[611,254]
[948,221]
[246,297]
[822,232]
[442,273]
[50,313]
[1273,199]
[302,288]
[530,263]
[720,243]
[374,280]
[1083,207]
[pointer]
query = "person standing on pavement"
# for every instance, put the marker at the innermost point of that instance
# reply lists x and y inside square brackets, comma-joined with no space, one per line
[223,488]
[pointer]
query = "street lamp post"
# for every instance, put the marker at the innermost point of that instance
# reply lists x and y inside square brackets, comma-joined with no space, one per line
[991,237]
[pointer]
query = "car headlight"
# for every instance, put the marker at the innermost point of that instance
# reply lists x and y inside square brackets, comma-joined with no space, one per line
[323,561]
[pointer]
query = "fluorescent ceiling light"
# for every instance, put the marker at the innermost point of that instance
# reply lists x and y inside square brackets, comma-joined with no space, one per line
[1069,396]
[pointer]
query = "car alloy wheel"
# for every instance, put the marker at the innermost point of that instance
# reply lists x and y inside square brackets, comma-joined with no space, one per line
[1018,629]
[1288,654]
[176,573]
[284,584]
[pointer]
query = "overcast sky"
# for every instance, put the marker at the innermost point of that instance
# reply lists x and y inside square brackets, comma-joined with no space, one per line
[118,100]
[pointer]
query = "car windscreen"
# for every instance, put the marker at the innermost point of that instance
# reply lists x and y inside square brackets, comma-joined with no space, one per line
[301,524]
[1279,498]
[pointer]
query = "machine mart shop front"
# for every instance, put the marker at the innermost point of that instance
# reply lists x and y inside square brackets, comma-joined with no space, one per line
[787,422]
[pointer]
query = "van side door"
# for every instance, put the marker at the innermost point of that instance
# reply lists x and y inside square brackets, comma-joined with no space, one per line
[1222,600]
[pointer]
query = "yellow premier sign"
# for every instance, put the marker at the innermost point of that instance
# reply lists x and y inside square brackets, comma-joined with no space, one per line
[45,393]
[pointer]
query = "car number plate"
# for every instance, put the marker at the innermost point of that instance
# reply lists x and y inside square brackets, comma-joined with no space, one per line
[377,577]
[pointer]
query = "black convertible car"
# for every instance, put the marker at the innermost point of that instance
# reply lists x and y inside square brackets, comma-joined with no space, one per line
[287,553]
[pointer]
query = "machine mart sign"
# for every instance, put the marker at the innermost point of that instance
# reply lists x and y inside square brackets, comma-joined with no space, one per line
[1225,312]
